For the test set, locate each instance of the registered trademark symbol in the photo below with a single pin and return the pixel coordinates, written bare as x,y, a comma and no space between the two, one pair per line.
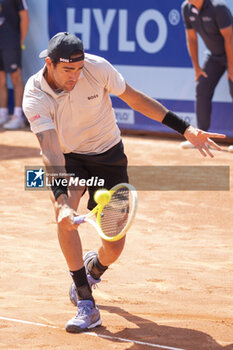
174,17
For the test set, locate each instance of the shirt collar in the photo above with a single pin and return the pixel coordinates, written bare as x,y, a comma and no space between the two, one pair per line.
45,86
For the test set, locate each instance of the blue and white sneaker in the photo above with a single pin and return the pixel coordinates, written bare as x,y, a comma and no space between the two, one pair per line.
88,317
87,257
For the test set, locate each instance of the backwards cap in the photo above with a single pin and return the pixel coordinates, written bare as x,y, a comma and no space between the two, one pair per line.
62,46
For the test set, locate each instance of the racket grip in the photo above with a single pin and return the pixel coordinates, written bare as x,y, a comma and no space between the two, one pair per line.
79,219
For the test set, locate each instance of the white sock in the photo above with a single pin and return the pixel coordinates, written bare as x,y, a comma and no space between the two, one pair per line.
18,112
3,112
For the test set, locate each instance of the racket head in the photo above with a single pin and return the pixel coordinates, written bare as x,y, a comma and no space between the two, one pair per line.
116,217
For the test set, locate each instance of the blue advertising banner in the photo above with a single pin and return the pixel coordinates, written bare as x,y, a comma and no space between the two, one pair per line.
144,40
126,32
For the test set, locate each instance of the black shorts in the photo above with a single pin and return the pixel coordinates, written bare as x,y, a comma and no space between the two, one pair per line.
10,60
110,166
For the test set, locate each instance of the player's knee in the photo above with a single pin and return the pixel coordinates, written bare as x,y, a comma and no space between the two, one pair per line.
203,91
3,81
16,79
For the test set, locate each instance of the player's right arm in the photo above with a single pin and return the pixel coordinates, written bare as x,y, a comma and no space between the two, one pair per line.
54,162
53,158
52,155
192,44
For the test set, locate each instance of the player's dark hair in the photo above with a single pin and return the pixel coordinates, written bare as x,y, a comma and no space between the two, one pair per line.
54,62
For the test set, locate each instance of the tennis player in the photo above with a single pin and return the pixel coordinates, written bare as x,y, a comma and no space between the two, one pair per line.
68,106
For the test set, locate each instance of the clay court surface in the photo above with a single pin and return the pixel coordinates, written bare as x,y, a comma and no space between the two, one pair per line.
172,288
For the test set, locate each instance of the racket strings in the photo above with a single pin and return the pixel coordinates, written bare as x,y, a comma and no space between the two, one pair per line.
115,214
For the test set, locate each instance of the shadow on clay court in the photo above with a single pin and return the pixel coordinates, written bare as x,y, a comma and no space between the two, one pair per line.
9,152
13,151
166,336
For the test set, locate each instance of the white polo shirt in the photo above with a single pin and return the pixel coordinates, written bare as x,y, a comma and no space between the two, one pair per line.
83,118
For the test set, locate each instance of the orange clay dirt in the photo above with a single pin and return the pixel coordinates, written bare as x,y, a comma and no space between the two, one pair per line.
172,287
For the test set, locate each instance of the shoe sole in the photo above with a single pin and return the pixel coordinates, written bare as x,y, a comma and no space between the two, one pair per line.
75,329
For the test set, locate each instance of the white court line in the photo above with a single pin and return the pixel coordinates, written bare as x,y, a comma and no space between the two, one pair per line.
95,335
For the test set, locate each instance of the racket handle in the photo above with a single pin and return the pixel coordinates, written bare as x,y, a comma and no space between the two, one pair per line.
79,219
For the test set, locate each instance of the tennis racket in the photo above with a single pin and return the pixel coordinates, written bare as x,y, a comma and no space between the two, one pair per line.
113,219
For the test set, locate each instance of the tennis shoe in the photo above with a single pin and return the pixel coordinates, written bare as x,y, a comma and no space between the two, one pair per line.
87,257
15,123
73,294
4,119
186,145
88,317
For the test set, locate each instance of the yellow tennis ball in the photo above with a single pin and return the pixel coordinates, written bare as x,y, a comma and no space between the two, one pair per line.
102,197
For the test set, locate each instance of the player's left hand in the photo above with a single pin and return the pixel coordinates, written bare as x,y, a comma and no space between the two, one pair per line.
201,140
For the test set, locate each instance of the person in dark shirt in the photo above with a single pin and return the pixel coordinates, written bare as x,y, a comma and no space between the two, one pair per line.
14,22
213,21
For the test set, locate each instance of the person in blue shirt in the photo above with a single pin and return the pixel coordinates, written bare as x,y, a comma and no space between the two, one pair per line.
14,22
212,20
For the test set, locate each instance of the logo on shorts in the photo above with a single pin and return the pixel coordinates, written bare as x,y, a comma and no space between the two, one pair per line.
35,178
192,18
14,66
